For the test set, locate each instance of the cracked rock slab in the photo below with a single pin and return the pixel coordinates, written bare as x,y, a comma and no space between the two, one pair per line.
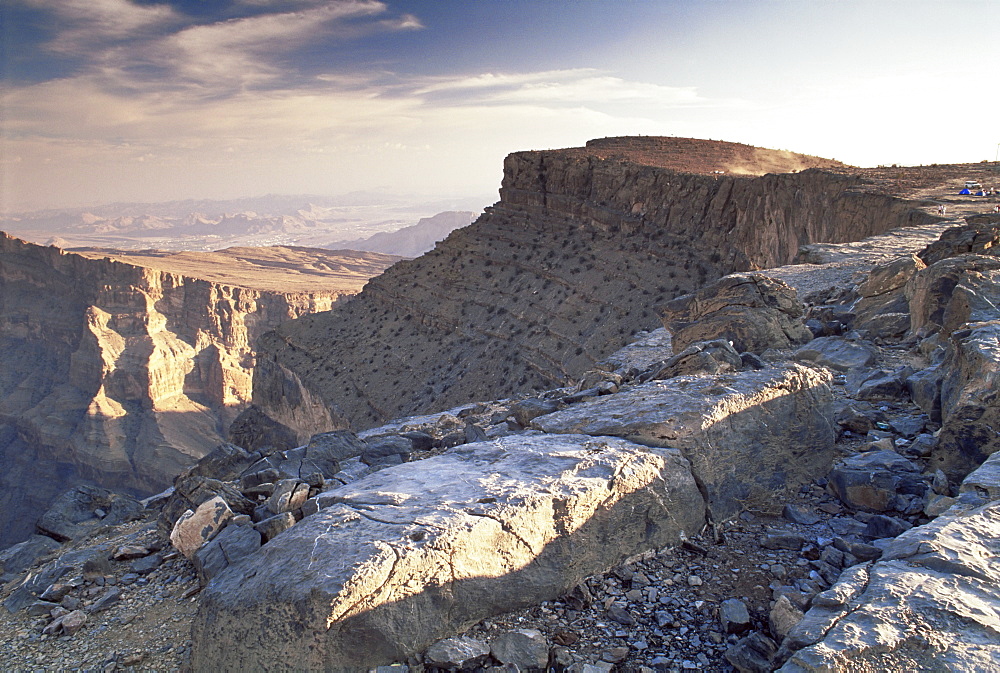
749,436
931,604
419,551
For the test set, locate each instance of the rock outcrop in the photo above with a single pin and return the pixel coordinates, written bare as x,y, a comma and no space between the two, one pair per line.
121,375
416,552
928,604
559,274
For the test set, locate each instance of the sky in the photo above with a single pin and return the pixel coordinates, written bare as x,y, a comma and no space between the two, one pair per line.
156,100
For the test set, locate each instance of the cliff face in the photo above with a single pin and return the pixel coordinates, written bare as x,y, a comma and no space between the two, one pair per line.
558,274
118,374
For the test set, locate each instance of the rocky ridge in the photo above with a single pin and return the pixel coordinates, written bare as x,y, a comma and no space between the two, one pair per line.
559,274
807,573
120,373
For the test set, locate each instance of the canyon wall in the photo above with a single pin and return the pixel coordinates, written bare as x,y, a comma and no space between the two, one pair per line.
118,374
558,274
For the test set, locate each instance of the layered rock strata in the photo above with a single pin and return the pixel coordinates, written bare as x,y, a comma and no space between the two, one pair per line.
122,375
557,275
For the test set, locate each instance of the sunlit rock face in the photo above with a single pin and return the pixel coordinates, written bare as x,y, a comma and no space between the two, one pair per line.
561,272
410,554
118,374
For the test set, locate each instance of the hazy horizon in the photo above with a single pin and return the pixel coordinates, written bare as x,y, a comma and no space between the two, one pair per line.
143,101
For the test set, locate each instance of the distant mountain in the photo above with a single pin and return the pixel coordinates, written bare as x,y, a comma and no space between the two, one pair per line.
304,220
414,240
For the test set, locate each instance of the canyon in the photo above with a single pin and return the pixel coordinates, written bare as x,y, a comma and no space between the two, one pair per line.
120,370
562,271
659,408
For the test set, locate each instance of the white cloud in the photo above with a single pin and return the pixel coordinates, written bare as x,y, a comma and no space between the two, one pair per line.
90,24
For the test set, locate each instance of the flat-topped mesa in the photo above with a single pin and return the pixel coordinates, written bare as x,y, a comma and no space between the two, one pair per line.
558,274
122,373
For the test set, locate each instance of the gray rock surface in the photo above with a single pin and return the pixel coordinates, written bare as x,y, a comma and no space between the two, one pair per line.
478,530
749,436
931,603
753,311
837,353
970,400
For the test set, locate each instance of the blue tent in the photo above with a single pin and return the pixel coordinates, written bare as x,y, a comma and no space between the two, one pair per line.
980,193
965,191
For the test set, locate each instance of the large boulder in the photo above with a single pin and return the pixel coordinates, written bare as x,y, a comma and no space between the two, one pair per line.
952,292
882,310
970,400
754,311
79,511
749,436
980,235
416,552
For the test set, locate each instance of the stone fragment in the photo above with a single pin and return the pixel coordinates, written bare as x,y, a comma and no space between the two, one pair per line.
871,480
702,357
386,447
57,591
71,515
526,410
146,565
620,615
269,528
752,311
21,556
288,496
752,654
952,292
110,597
784,616
837,353
461,536
750,436
231,546
734,616
460,653
782,540
196,528
799,515
67,625
523,648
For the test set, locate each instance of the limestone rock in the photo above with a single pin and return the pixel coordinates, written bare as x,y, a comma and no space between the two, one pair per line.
703,357
749,436
23,555
872,480
523,648
890,276
836,353
784,616
459,653
930,603
467,534
970,400
74,513
753,311
952,292
197,527
231,546
733,616
979,235
122,372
